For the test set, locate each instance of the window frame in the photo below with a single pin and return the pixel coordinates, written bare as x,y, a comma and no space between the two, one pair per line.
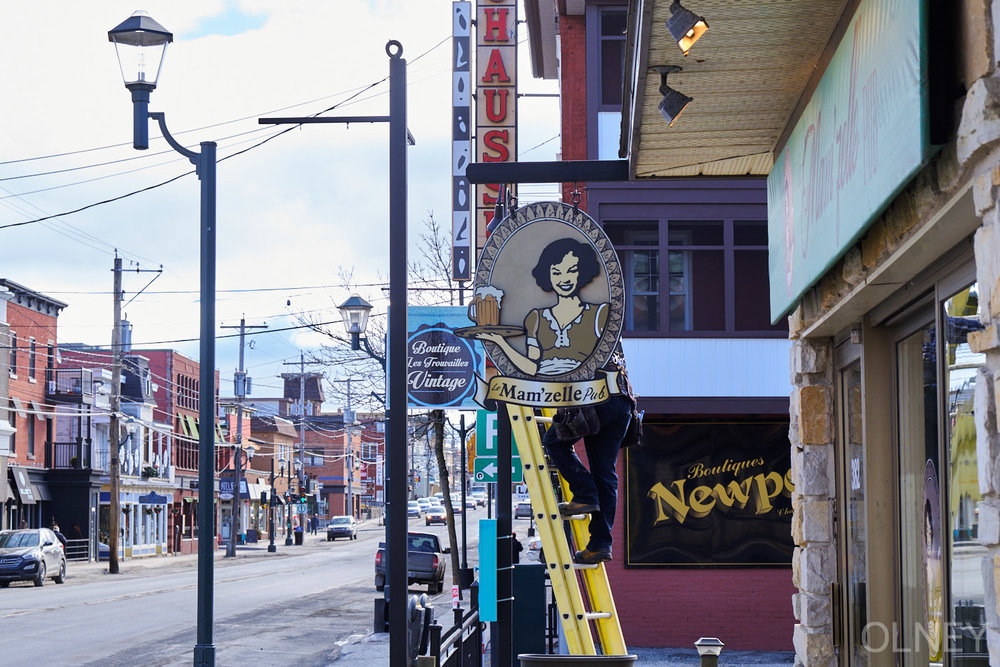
728,248
12,366
32,359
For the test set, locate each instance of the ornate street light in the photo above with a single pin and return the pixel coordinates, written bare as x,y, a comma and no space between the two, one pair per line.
140,43
355,313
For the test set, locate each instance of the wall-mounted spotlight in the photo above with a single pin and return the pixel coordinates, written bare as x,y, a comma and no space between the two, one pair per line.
685,26
673,102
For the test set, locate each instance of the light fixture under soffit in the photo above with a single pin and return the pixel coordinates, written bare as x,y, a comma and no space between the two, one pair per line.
685,26
673,102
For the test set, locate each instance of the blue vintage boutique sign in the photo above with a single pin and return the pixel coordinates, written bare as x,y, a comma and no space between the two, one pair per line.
440,366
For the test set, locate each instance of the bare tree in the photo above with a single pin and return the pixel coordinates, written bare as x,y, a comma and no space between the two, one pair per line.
429,283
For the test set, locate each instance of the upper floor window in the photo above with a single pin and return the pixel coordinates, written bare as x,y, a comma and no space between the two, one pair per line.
694,275
611,37
31,358
13,354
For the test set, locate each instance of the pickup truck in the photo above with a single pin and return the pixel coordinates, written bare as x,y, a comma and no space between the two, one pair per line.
425,562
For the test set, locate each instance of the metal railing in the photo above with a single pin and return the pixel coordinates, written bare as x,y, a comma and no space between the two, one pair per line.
461,645
69,383
78,549
70,455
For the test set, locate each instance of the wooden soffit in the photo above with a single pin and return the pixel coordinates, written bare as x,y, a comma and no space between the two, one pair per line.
748,77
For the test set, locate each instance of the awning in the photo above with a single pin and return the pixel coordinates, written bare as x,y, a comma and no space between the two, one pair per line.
23,485
18,407
41,489
8,491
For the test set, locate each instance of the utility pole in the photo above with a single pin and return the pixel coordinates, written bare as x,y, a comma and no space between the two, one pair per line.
114,443
240,387
349,460
302,419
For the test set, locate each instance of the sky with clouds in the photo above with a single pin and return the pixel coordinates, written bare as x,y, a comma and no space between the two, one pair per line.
294,213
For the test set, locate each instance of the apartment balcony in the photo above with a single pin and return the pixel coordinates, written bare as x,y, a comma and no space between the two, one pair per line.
69,385
79,455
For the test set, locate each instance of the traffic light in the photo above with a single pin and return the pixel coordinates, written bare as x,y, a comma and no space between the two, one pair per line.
302,500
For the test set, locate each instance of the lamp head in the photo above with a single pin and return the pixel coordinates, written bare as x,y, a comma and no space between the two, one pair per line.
673,102
355,313
709,646
140,43
685,26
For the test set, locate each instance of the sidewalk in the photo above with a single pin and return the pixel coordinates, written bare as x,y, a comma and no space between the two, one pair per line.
374,649
135,566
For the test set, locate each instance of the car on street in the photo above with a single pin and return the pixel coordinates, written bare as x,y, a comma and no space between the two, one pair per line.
424,503
533,549
425,562
523,510
480,498
342,526
470,503
412,509
32,554
435,514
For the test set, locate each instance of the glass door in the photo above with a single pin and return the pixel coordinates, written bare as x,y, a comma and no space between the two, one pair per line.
921,638
850,524
967,635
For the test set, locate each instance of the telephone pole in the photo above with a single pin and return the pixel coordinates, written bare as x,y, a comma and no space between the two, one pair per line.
302,418
241,388
114,439
115,423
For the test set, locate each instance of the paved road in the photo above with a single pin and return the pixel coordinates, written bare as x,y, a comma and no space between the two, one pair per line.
298,606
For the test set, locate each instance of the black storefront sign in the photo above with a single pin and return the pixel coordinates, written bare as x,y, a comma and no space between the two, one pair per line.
23,485
709,493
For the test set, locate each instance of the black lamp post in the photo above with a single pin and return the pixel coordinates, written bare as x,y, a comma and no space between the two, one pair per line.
140,43
270,514
288,501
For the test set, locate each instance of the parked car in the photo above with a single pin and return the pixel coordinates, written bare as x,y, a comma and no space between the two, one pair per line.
534,548
435,514
523,510
33,554
412,509
342,526
425,562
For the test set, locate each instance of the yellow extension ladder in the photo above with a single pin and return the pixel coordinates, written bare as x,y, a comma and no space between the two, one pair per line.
578,606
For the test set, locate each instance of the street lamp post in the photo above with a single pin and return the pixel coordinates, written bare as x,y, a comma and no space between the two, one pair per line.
270,514
288,504
140,43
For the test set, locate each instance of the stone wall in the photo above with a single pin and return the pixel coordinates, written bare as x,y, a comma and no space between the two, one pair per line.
814,562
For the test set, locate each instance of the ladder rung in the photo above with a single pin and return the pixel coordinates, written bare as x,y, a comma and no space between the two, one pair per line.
584,566
543,420
596,615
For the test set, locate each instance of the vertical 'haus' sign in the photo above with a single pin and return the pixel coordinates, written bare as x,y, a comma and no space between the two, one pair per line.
496,98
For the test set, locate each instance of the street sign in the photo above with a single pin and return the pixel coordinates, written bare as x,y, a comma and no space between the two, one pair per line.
486,433
486,470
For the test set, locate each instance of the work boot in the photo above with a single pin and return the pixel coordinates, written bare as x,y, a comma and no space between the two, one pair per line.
588,557
572,508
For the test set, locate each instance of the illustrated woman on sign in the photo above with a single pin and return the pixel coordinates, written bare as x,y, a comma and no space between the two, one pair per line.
562,336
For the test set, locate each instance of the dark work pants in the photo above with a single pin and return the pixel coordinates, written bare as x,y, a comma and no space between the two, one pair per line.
599,485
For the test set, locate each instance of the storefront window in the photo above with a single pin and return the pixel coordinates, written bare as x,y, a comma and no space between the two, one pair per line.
923,630
967,636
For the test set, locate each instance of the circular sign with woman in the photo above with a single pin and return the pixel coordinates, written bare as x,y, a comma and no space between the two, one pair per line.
548,295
